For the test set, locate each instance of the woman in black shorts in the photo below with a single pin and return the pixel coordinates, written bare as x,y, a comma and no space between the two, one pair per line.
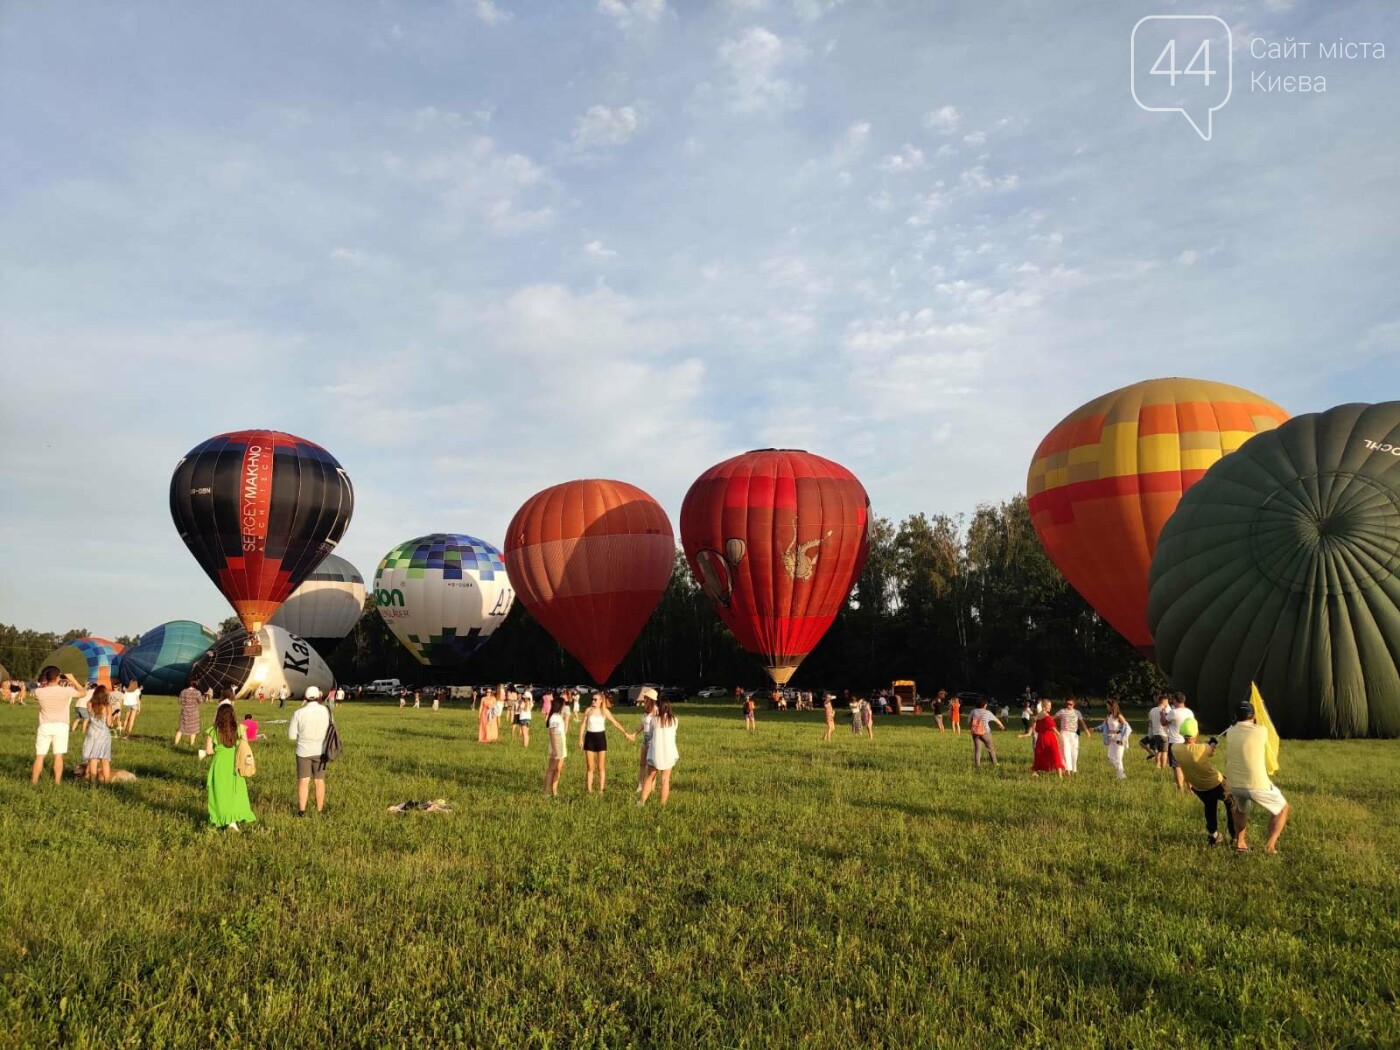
593,738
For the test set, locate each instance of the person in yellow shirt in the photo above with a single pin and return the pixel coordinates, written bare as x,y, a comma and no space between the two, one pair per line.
1246,768
1193,759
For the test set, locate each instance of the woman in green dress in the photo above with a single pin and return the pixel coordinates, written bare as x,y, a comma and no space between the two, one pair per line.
228,792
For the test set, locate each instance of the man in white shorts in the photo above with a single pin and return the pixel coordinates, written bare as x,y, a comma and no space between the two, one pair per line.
55,696
1247,774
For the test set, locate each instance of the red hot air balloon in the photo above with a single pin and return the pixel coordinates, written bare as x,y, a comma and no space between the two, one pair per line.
590,560
259,510
777,538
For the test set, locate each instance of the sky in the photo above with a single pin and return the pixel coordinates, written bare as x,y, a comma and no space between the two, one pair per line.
477,248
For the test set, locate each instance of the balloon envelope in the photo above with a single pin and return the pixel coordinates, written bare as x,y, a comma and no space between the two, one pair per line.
777,538
590,560
282,659
161,661
327,605
443,595
89,660
1282,566
259,510
1106,479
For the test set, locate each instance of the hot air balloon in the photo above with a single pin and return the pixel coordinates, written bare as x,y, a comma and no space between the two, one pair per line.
1105,480
259,510
590,560
443,595
777,538
278,658
89,660
327,605
1282,567
161,661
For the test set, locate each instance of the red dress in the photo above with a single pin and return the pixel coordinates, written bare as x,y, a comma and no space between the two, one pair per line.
1047,746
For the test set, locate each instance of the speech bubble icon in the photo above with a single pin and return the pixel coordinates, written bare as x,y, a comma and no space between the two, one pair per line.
1182,64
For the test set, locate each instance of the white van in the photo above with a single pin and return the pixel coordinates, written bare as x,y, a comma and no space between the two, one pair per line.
383,685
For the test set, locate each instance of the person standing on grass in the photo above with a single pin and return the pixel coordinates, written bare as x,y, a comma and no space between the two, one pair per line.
1247,772
830,712
1157,732
647,698
955,713
1177,715
662,755
1193,760
1116,731
485,719
593,737
225,791
857,718
526,718
57,690
131,705
97,741
308,729
1046,757
557,727
1026,717
1070,723
80,709
190,698
867,718
979,724
283,695
940,704
748,713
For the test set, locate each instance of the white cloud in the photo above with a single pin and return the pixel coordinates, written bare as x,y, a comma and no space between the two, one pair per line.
975,138
603,127
598,251
488,12
756,61
479,184
944,119
1189,257
910,158
633,15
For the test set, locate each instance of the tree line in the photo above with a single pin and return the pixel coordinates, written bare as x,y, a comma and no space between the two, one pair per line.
950,601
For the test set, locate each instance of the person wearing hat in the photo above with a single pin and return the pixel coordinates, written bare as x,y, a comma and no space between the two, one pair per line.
1246,769
308,729
1193,761
647,698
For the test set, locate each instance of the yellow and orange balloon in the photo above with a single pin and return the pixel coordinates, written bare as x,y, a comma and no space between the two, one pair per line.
1106,479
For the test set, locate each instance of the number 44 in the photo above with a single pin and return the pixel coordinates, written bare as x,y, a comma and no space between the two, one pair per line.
1201,56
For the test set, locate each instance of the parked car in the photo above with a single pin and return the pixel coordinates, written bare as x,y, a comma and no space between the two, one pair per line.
674,693
710,692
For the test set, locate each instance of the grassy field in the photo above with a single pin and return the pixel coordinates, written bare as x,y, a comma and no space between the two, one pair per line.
857,893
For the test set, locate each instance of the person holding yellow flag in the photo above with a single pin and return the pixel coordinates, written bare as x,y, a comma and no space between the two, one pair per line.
1250,763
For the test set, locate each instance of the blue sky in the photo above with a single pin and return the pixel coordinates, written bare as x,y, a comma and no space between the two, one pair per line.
477,248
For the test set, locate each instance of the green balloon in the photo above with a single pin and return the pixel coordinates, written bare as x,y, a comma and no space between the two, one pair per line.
1282,566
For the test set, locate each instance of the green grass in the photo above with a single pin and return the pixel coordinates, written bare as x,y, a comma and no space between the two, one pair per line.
857,893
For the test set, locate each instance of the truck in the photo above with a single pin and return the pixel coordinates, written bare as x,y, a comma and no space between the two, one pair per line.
904,696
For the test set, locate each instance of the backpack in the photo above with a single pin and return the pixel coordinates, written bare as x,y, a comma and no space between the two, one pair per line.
330,751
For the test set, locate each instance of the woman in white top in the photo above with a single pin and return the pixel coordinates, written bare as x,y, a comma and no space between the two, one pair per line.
1116,731
593,737
648,701
525,718
661,754
131,705
558,726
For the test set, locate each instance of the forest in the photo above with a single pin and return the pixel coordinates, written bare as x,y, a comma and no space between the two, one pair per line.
952,602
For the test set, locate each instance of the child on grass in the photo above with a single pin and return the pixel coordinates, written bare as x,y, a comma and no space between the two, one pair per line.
97,743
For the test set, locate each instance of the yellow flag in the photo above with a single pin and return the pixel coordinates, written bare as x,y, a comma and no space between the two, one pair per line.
1261,716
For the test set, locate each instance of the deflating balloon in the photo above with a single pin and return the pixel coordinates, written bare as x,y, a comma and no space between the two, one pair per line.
89,660
276,659
161,661
1106,479
777,538
590,560
259,510
443,595
327,605
1282,566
